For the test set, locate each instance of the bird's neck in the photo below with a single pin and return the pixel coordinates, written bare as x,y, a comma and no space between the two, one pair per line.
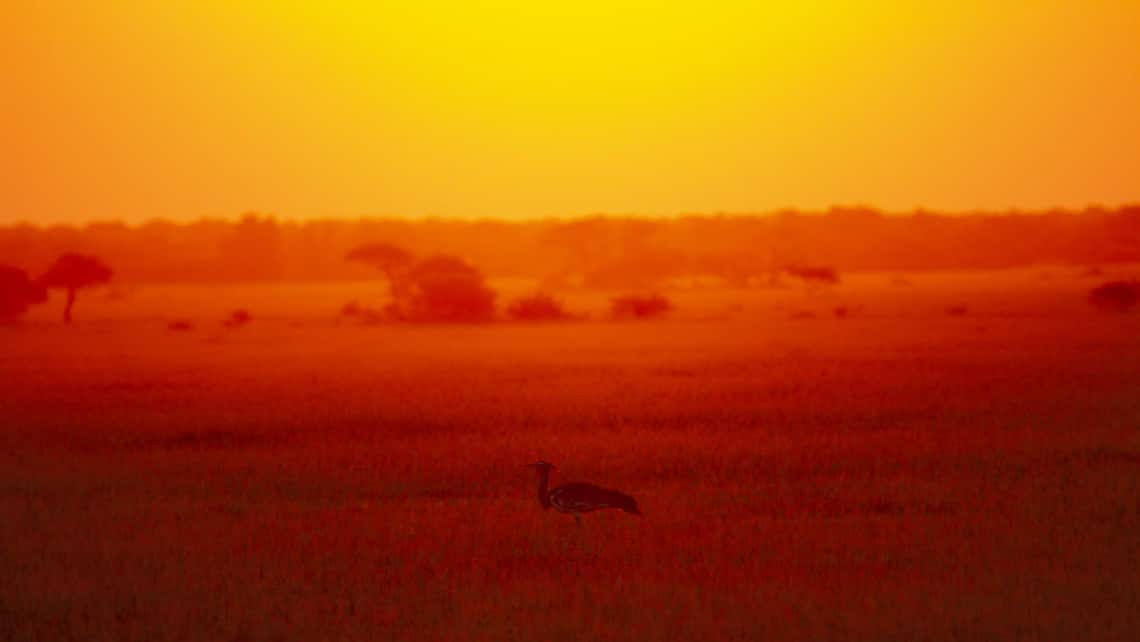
544,488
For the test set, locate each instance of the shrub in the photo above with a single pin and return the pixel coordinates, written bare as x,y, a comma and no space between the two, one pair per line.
821,275
537,307
1115,296
639,307
17,292
238,318
443,288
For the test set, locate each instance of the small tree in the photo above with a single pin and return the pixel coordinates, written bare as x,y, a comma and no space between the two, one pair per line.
17,292
1116,296
389,259
72,272
537,307
392,261
443,288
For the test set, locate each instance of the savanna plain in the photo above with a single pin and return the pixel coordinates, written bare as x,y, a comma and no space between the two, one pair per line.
896,474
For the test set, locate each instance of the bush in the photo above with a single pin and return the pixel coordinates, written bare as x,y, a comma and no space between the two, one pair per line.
1115,296
639,307
821,275
537,307
238,318
443,289
17,292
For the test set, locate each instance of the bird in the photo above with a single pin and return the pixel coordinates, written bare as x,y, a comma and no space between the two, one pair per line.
577,497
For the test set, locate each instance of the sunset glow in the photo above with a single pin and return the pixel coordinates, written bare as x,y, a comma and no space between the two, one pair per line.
137,110
569,321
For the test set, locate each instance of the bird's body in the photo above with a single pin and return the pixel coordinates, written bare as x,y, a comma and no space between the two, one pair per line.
576,498
583,498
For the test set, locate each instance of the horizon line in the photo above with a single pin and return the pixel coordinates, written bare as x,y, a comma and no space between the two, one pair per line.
1090,208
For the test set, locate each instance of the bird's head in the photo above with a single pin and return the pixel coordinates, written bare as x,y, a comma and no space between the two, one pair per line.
542,465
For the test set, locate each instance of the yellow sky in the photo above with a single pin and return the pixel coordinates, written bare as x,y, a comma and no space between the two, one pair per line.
179,109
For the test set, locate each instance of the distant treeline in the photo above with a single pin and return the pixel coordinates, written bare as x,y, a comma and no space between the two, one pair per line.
599,251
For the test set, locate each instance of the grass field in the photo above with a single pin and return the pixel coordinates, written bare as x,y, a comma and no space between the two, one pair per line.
900,475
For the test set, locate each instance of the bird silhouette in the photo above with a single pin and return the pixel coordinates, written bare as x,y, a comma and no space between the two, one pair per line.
577,498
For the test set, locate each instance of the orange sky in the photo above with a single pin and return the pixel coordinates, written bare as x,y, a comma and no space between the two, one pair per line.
178,109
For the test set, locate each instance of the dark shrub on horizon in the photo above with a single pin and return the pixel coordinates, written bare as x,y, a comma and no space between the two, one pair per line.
238,318
537,307
1115,296
443,288
639,307
823,275
18,292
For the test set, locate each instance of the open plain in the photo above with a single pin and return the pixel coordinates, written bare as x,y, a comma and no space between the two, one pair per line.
897,474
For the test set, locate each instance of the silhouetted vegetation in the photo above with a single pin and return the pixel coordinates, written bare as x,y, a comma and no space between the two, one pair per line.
72,272
238,318
537,307
180,325
390,259
18,292
813,275
1115,296
604,252
442,288
640,307
385,257
355,310
958,310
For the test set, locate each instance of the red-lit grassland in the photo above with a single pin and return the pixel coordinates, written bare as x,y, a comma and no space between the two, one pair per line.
898,474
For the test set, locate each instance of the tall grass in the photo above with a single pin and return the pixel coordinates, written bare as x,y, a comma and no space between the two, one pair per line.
872,479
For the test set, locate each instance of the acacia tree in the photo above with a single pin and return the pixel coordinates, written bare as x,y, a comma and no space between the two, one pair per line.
17,292
72,272
391,260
